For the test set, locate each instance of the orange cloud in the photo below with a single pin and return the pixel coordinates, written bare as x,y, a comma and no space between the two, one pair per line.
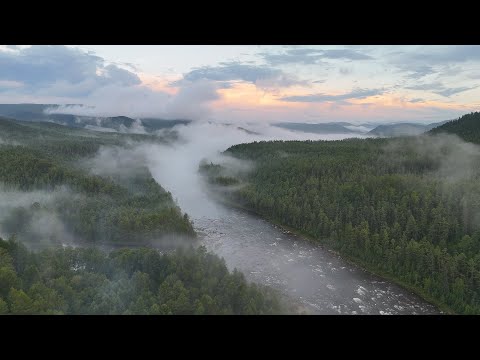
247,95
158,83
246,100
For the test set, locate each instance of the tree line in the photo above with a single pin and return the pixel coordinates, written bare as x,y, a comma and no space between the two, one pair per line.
380,201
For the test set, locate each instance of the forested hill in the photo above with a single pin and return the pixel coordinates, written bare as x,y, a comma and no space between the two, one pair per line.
49,193
39,113
67,193
467,127
66,142
408,208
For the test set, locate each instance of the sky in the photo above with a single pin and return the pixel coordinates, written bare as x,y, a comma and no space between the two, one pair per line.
248,84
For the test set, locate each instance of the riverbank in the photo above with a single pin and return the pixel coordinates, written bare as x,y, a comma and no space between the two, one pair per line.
349,259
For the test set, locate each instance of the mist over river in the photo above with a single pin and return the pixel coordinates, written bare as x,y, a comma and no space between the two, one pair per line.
309,274
313,276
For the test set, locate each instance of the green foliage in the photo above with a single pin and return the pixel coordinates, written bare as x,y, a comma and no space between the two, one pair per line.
96,209
127,281
126,208
388,208
3,307
467,127
216,174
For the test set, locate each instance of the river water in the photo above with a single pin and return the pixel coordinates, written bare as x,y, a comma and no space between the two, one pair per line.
315,277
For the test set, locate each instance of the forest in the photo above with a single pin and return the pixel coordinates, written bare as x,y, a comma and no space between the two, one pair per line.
138,281
405,207
466,127
72,205
119,209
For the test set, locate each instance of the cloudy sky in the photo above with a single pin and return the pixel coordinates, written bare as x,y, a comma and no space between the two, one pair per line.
249,83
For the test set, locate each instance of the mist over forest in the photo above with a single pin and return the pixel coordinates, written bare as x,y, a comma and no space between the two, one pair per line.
287,181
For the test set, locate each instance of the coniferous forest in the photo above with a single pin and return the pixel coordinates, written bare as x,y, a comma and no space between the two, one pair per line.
125,281
46,169
405,207
240,179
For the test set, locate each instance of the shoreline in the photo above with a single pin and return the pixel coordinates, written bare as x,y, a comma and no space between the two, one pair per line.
441,307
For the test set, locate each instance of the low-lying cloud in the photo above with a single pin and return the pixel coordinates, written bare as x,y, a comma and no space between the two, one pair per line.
191,102
45,227
175,167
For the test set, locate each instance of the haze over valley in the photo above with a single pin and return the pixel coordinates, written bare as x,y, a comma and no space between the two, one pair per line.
239,180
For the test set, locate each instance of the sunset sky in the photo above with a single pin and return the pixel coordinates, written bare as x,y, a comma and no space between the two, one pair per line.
249,84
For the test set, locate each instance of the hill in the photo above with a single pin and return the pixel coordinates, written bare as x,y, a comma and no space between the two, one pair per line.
37,113
407,208
403,129
466,127
51,175
76,197
325,128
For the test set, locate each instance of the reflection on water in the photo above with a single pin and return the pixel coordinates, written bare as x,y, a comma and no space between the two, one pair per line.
319,279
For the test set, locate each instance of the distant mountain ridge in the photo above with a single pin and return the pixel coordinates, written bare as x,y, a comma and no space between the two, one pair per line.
322,128
403,129
36,112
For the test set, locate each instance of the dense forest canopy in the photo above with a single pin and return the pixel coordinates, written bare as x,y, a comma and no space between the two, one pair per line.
128,207
125,281
406,207
467,127
70,186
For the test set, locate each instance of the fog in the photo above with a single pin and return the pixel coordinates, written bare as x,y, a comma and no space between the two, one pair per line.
264,253
9,142
454,160
454,165
45,227
176,167
118,160
191,101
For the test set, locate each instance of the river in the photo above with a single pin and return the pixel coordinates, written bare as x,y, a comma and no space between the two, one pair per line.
317,278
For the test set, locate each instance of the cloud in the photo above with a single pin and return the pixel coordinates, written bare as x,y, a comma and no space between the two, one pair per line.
190,102
312,56
448,54
428,86
416,100
429,60
344,54
263,76
121,76
205,140
55,69
9,84
440,89
417,71
355,94
451,91
69,75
